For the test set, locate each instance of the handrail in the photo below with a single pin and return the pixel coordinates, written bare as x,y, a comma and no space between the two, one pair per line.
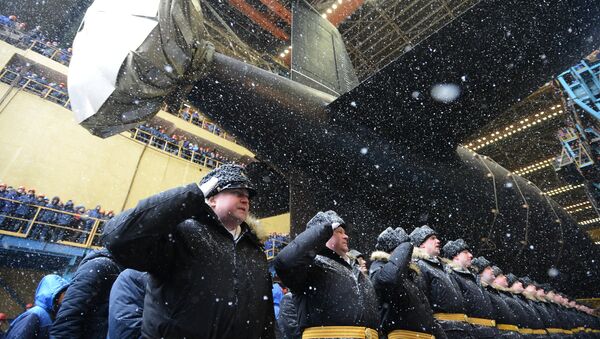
47,92
24,41
175,149
35,226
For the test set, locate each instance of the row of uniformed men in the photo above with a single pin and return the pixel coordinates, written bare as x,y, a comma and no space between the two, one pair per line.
412,292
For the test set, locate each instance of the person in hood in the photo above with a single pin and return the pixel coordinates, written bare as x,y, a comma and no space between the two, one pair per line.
334,298
84,313
444,295
36,321
478,306
126,305
404,310
208,273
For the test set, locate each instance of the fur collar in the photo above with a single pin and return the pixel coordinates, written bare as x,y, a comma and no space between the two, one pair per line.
419,253
500,288
455,267
380,255
256,228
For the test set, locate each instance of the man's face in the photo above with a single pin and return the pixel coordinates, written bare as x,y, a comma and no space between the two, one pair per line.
463,259
501,281
432,246
338,241
530,289
487,275
20,190
517,287
231,206
540,293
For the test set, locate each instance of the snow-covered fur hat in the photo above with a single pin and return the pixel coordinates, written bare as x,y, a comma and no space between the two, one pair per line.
479,264
390,238
454,247
511,279
526,281
420,234
497,271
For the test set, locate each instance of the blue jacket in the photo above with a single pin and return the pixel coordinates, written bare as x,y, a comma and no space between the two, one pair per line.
126,305
9,206
24,209
277,295
84,311
36,321
49,216
65,219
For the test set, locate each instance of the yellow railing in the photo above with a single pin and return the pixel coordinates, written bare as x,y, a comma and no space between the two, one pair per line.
41,223
30,85
23,40
175,149
50,52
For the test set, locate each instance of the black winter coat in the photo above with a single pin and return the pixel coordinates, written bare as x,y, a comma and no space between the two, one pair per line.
477,303
442,292
535,319
328,290
503,313
126,305
402,305
516,307
84,310
202,283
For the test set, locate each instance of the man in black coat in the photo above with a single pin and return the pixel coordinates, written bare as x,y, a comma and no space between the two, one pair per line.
441,290
478,306
334,298
126,305
506,315
403,309
84,311
208,274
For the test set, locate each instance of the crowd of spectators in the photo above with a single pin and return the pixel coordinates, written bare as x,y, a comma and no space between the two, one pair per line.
55,221
179,145
38,84
18,34
192,115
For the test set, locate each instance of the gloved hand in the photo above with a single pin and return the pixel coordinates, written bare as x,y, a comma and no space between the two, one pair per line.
326,218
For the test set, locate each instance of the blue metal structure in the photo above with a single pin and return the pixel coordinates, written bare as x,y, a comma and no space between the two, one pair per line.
582,84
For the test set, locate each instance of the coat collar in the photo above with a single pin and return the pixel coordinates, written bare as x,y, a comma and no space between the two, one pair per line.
457,268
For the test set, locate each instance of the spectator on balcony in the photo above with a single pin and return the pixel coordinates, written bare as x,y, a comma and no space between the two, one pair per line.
8,210
3,193
41,200
78,224
46,218
64,220
25,209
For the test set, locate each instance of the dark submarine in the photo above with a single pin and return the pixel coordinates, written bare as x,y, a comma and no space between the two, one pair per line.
382,156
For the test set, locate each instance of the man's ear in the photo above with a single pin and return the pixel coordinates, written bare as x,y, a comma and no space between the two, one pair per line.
211,201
